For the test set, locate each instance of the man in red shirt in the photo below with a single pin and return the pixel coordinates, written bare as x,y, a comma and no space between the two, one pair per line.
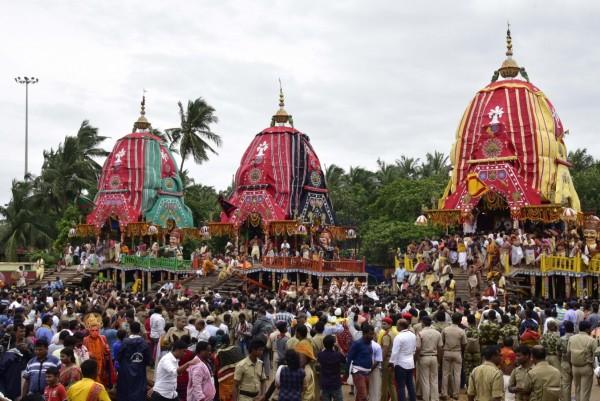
54,390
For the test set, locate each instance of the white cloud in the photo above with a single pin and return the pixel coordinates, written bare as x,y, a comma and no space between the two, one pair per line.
363,79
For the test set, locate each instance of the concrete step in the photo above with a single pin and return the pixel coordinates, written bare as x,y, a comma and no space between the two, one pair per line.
69,276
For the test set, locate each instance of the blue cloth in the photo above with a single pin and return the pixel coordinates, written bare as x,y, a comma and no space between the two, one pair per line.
528,324
290,384
111,337
571,316
12,364
115,351
133,358
361,353
330,362
44,332
36,372
400,273
404,379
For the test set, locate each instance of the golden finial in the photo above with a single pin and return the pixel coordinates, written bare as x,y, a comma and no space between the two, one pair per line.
509,68
281,98
509,51
282,116
142,123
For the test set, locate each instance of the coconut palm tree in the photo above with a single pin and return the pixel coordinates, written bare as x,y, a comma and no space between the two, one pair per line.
23,226
386,173
194,137
435,164
334,176
88,142
408,166
362,177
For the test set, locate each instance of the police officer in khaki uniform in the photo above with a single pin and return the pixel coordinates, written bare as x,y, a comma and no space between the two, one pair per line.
519,379
455,340
249,377
429,346
386,341
486,382
544,379
566,379
580,351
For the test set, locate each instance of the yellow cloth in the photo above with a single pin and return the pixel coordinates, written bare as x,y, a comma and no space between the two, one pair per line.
305,349
208,267
475,186
79,391
393,332
137,285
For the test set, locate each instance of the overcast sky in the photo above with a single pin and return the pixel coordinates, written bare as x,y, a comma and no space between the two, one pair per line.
364,79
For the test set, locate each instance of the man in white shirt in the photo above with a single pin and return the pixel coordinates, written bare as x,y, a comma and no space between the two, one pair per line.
403,353
211,328
191,328
285,248
165,379
166,287
157,328
375,375
203,334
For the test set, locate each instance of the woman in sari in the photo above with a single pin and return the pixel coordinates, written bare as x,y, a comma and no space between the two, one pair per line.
69,371
226,359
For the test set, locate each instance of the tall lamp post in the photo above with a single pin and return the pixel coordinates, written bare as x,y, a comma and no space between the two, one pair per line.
27,81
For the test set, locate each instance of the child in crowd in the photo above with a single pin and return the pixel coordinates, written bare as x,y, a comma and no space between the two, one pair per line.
54,390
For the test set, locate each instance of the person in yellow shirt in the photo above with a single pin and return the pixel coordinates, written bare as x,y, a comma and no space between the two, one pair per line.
88,389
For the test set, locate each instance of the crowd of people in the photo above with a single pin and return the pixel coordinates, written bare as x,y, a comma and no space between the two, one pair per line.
79,344
485,259
414,339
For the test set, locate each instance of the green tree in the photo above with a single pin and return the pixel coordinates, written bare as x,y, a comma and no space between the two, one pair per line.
380,237
435,164
202,200
403,199
334,176
408,166
70,170
194,136
69,220
386,173
587,185
23,226
581,160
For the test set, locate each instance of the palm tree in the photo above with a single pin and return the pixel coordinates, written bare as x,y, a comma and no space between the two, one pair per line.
88,142
23,227
70,169
334,176
166,138
407,166
194,136
386,173
362,177
435,164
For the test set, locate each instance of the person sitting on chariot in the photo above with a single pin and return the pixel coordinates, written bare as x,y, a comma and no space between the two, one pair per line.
208,266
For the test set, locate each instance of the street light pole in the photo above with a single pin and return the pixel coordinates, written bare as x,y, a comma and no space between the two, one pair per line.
26,81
